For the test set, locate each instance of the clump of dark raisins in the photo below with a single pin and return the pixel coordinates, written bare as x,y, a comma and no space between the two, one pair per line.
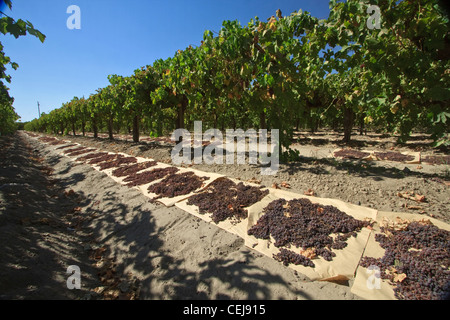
420,253
225,199
304,224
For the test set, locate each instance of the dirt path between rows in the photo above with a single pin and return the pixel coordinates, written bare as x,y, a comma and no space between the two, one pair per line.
38,217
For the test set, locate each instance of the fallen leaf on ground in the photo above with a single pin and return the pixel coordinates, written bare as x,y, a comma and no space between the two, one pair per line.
399,277
425,221
419,198
397,224
287,214
414,207
284,184
310,192
412,196
391,270
309,253
99,290
275,186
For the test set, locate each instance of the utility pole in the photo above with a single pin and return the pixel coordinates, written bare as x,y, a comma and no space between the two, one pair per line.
39,110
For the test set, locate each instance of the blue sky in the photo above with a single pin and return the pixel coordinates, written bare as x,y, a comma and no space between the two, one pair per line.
116,37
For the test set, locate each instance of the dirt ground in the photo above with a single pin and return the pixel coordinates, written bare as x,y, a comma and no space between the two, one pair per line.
55,213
